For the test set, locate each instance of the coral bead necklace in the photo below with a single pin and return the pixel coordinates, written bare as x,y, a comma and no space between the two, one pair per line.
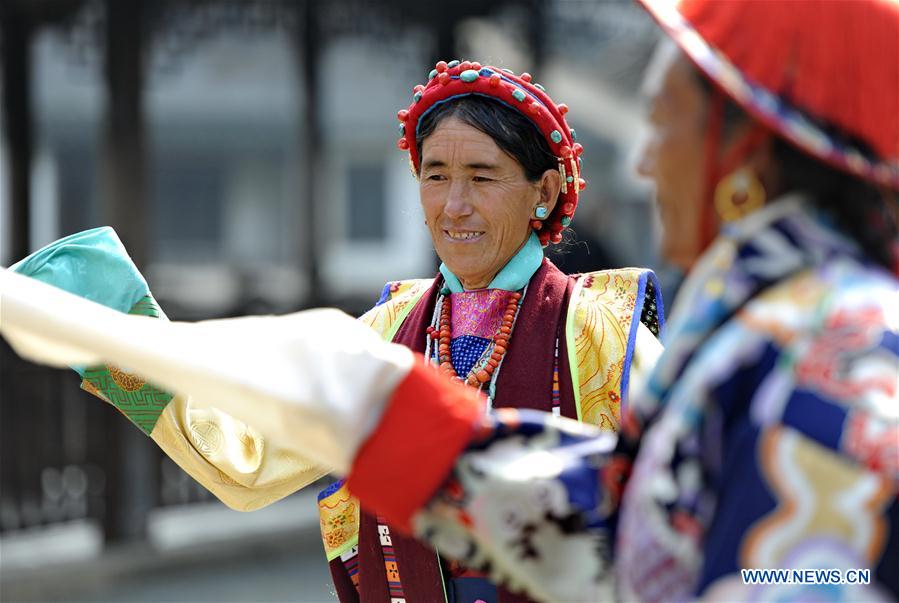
485,371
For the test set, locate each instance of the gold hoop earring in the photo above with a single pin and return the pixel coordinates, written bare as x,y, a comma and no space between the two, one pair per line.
739,194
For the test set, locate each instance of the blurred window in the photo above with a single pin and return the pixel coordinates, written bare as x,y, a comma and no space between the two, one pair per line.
188,190
366,219
78,208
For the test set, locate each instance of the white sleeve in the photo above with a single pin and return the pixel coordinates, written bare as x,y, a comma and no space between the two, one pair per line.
314,381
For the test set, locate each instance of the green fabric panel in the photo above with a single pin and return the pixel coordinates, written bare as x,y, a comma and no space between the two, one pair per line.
336,553
141,402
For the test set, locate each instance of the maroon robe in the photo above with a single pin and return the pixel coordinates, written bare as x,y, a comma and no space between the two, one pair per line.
527,368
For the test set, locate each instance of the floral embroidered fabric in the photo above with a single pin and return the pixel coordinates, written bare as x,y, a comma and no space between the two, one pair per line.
476,318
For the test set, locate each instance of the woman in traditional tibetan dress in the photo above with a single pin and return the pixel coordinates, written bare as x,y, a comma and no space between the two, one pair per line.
499,175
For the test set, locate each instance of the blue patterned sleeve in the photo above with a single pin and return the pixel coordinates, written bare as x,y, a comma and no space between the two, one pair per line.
526,504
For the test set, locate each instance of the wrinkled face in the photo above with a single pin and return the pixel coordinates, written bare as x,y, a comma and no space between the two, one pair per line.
476,200
672,157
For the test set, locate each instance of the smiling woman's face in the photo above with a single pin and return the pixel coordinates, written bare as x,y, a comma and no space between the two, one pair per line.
477,201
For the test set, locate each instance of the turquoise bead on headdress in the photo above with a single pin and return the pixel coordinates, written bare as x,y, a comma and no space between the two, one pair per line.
468,76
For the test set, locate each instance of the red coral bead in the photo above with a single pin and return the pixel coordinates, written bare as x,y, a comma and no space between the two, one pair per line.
476,66
483,376
402,144
563,108
525,76
557,238
418,88
581,184
495,79
568,208
536,224
565,151
464,66
534,108
444,78
441,66
402,114
577,148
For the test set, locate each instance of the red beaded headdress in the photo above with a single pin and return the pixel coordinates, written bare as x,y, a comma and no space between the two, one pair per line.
455,79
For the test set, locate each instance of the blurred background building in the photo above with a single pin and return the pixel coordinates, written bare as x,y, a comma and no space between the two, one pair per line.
245,153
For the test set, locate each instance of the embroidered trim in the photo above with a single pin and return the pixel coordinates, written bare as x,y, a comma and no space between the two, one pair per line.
338,515
557,398
391,569
141,402
387,317
652,315
350,560
600,325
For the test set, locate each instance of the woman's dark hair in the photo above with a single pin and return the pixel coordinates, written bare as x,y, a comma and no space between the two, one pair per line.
857,207
512,132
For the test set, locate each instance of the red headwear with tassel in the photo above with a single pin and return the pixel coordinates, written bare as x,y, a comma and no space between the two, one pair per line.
795,65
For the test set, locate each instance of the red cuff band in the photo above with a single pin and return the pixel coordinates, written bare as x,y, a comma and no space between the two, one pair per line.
428,422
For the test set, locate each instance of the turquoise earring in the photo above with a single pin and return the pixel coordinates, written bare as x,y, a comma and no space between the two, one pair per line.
540,212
